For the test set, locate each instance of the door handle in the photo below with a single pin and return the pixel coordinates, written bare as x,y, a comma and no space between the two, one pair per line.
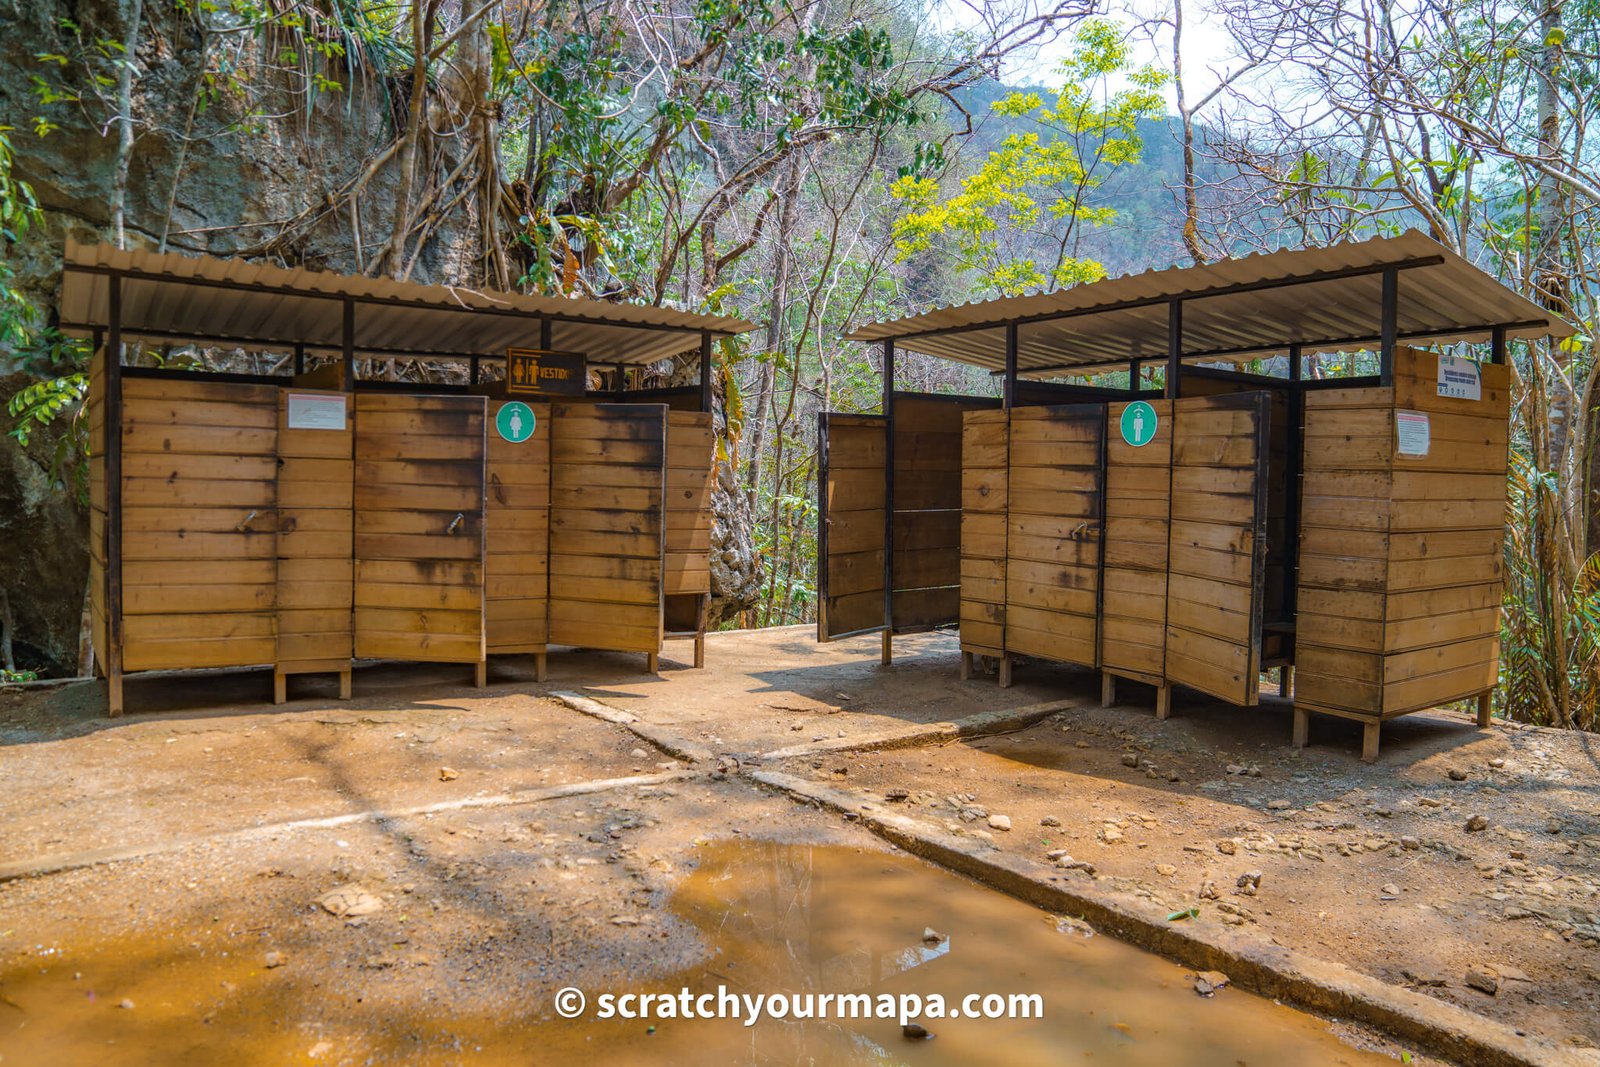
244,523
455,523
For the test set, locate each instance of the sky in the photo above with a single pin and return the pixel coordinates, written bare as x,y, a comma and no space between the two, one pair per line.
1208,49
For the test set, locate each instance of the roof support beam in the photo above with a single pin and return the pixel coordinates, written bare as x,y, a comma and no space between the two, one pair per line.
705,370
1008,391
112,546
1174,346
1190,294
1497,344
1390,329
348,349
888,501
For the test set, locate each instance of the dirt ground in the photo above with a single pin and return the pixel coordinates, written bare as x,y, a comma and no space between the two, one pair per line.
480,910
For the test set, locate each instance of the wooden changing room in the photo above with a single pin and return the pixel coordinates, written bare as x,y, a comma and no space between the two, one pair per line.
296,515
1197,477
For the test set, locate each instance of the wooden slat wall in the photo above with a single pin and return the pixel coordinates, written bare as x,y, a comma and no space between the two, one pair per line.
199,541
853,484
517,520
1401,570
927,509
316,522
95,402
691,452
1217,545
419,527
607,531
984,452
1053,531
1133,615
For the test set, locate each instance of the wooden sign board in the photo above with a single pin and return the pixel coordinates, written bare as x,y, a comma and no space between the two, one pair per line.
536,372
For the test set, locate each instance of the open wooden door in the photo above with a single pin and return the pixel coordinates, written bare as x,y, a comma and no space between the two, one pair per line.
608,465
1055,506
852,453
691,467
419,528
1218,544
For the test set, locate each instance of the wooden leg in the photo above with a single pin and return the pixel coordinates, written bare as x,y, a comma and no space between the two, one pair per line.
1369,742
966,666
652,663
699,651
1163,700
1286,681
1108,689
1302,727
280,687
541,665
344,685
888,648
1485,708
114,693
1005,671
480,673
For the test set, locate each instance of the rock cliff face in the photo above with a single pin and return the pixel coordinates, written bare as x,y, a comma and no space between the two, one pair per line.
241,175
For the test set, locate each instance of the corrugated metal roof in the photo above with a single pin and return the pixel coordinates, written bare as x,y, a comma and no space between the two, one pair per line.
183,298
1234,308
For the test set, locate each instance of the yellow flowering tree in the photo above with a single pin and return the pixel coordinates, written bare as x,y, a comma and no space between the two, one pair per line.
1015,222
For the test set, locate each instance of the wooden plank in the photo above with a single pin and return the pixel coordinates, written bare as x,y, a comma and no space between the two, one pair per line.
205,440
194,653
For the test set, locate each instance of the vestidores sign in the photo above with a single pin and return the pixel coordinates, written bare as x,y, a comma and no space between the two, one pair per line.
534,371
1459,378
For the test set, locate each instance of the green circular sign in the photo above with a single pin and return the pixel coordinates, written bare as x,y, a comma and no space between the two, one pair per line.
515,422
1138,423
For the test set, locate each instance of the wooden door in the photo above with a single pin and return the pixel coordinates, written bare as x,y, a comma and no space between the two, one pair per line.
1218,544
984,454
852,481
419,527
198,498
691,456
316,487
1133,613
607,525
1054,510
517,520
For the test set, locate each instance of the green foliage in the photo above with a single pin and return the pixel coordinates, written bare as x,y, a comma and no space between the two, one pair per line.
1014,220
53,360
1551,631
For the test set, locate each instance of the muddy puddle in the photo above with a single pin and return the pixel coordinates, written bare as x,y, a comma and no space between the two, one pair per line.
775,918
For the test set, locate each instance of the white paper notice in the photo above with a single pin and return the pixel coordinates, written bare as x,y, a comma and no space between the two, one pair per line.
315,411
1411,430
1458,378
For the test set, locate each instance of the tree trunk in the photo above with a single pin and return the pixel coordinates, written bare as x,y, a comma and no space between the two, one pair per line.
119,181
768,377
